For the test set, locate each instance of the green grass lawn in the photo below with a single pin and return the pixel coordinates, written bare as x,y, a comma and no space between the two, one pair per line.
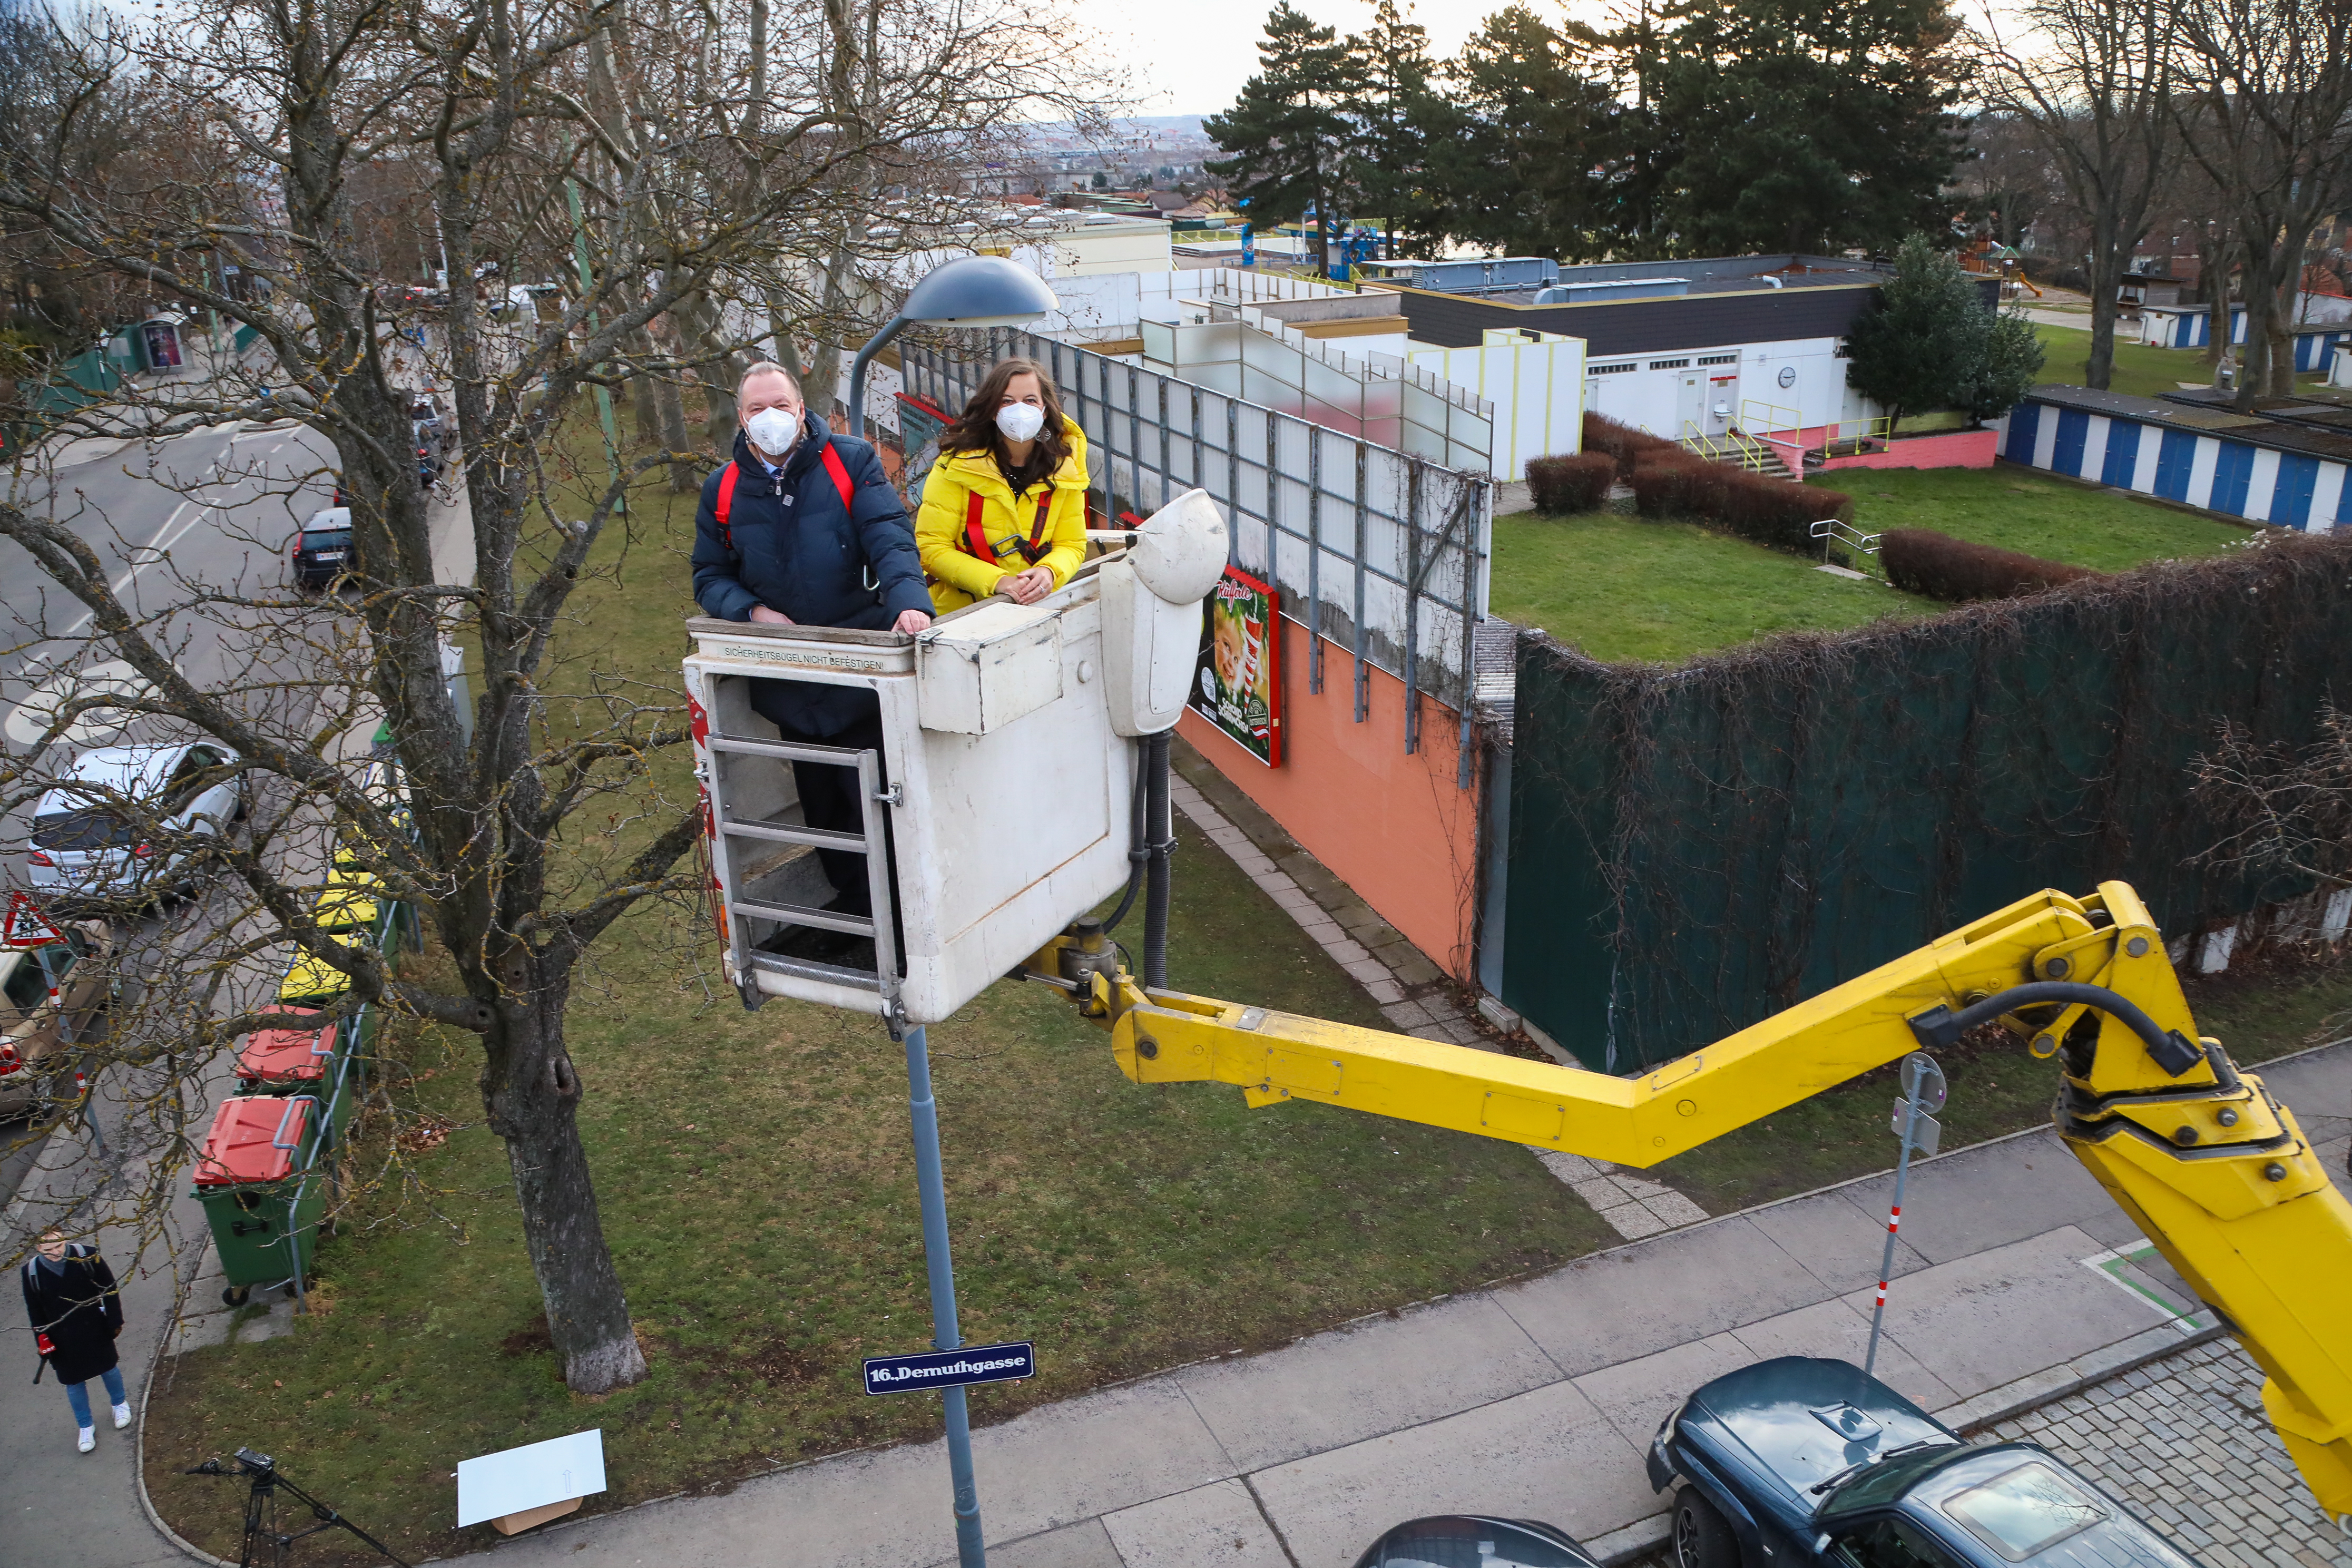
2019,508
2139,370
1621,587
756,1183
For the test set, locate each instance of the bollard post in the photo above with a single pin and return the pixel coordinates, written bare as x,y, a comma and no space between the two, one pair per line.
1923,1092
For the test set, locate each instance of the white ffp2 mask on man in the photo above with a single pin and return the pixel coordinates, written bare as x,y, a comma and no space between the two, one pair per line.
1019,421
773,431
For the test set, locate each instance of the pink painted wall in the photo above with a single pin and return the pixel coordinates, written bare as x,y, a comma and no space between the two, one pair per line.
1951,450
1393,826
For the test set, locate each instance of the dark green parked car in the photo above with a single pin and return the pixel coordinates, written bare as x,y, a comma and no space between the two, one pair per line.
1803,1463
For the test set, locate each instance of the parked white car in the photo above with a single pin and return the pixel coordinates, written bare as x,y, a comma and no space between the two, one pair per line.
133,819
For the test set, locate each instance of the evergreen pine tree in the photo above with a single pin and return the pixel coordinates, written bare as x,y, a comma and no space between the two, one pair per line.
1919,349
1288,134
2008,362
1398,116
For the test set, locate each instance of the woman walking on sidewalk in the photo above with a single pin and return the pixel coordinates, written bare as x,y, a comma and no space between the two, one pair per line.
76,1313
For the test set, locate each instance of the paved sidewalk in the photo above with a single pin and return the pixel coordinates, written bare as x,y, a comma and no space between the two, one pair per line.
2017,1282
66,1508
2185,1442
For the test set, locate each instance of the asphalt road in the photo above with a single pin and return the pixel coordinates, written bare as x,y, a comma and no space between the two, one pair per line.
210,506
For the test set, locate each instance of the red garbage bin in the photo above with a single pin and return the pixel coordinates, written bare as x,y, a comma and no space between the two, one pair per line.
279,1061
262,1191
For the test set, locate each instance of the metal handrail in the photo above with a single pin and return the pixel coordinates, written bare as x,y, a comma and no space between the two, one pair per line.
1837,530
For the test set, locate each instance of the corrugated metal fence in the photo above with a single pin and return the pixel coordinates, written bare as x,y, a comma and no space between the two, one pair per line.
1380,551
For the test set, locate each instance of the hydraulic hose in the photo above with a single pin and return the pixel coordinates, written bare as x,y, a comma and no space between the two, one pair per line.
1162,842
2170,1050
1138,851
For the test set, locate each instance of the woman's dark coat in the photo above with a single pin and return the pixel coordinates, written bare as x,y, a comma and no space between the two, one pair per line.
78,1308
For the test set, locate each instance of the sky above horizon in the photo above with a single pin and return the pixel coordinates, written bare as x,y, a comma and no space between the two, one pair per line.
1193,59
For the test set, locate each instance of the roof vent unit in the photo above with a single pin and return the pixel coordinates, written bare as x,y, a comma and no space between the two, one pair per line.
1595,291
1501,274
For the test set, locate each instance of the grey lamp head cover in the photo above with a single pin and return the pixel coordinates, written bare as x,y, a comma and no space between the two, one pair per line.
978,291
970,292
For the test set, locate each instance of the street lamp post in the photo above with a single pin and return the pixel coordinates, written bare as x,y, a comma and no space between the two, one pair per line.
974,291
971,292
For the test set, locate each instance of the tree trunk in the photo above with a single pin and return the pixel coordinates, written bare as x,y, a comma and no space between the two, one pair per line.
2254,362
2283,330
780,337
2106,277
2213,281
705,326
669,414
533,1095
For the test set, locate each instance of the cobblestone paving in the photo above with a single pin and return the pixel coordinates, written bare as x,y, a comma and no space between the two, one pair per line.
2184,1440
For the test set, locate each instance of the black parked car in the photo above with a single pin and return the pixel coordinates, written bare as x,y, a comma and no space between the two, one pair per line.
1470,1540
317,553
1800,1463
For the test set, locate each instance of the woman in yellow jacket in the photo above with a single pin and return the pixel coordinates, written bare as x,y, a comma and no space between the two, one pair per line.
1004,507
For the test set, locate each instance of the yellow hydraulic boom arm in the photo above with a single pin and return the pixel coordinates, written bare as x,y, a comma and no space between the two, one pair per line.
2211,1166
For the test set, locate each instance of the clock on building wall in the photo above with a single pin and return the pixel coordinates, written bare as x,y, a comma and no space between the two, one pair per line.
1787,375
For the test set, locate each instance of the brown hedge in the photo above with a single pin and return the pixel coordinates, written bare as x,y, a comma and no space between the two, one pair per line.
1771,512
1957,571
1622,442
1577,481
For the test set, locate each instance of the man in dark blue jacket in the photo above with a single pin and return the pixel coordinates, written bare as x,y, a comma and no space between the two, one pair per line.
814,536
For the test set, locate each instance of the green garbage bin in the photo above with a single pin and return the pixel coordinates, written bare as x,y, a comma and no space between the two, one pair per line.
264,1188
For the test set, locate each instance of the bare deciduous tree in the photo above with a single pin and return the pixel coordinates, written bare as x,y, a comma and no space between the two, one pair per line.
264,131
2290,810
2090,79
2266,108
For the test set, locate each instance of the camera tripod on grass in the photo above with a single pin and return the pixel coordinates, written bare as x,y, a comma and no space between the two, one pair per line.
261,1511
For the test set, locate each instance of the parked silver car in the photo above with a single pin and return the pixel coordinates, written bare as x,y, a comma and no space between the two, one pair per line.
134,820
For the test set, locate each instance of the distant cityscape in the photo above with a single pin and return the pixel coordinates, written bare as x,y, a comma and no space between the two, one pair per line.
1167,155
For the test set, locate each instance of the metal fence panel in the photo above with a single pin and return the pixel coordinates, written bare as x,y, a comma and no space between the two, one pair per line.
1385,551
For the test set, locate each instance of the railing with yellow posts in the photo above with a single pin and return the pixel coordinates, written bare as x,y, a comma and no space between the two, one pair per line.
1760,418
2200,1154
1732,446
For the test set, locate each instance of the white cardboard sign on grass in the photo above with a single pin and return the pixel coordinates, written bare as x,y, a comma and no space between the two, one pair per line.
533,1475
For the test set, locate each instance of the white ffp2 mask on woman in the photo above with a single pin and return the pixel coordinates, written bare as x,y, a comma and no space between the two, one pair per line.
1019,421
773,431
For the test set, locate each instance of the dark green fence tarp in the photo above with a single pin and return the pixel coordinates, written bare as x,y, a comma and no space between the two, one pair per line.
1693,849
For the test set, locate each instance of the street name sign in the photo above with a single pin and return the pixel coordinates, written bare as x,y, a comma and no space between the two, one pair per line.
951,1369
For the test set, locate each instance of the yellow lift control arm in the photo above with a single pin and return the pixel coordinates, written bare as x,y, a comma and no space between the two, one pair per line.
2213,1169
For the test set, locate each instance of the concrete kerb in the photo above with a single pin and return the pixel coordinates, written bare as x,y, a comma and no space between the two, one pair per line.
163,1342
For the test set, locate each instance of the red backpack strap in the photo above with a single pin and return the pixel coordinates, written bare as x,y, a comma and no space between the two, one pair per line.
1035,549
840,472
975,537
1032,550
726,504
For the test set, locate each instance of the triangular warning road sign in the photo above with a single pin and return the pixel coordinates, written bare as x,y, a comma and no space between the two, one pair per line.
28,926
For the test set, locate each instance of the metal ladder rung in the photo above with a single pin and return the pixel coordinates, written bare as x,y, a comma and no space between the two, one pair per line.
794,915
802,969
822,837
838,756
